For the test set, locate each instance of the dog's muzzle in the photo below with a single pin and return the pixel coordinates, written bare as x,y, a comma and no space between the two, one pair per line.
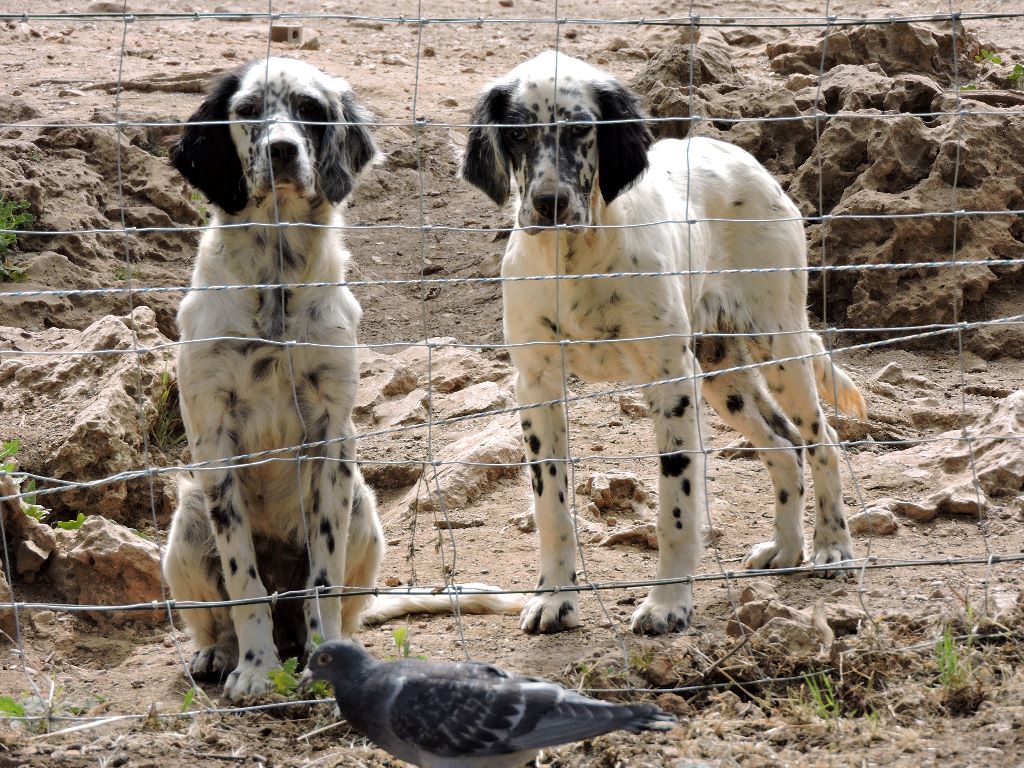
548,208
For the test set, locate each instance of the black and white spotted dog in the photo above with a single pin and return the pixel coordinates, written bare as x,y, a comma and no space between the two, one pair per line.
590,178
241,528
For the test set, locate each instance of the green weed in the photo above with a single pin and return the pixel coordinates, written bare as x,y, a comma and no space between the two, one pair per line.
168,430
286,682
72,525
402,639
991,57
954,672
122,272
7,450
823,696
204,214
11,707
186,700
13,215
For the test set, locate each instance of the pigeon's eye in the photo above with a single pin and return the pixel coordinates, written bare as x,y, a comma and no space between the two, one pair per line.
323,658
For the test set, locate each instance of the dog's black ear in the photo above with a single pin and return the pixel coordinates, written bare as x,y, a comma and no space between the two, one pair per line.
486,163
622,147
206,155
346,149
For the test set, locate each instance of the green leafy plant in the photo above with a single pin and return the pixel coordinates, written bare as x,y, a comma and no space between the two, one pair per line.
72,525
402,639
283,678
1016,74
985,55
954,672
122,272
13,215
823,696
7,451
204,214
168,430
186,700
11,707
286,682
28,501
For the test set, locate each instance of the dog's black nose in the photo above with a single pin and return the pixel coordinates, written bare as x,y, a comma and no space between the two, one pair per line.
283,154
551,208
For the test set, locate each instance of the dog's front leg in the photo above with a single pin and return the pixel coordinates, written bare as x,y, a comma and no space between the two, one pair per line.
329,516
675,409
545,436
225,503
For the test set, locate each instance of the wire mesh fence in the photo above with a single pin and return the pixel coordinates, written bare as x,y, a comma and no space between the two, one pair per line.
408,231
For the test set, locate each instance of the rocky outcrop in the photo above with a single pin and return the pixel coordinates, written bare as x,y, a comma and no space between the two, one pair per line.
880,132
976,469
70,178
84,405
103,563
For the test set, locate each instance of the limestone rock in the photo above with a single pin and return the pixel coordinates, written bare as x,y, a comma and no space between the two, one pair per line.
972,477
905,163
90,406
874,521
104,563
644,536
895,48
470,466
476,398
615,492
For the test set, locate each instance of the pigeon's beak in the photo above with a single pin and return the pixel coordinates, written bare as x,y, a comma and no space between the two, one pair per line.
306,679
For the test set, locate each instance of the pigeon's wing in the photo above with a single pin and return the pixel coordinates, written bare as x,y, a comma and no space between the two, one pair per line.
474,713
554,715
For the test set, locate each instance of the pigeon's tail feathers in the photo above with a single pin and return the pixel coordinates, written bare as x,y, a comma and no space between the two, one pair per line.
574,717
464,598
649,717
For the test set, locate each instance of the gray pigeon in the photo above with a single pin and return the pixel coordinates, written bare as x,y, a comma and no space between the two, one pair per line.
464,715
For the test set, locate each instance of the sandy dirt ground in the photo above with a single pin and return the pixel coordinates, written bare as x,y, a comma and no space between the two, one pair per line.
892,704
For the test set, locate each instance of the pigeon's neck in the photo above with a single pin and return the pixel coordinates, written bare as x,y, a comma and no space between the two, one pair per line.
350,691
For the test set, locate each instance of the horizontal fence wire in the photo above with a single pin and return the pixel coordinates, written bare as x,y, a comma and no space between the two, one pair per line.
46,486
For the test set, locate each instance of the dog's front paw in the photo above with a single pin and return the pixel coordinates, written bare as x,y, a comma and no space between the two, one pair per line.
659,615
250,676
549,612
775,554
833,548
212,663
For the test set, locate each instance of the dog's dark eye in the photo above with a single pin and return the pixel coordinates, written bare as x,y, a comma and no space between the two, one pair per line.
515,135
309,109
247,110
323,658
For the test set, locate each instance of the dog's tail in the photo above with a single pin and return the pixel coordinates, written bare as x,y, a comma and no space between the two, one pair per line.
835,387
466,598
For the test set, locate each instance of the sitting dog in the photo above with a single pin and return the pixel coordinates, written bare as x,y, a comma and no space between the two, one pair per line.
596,195
271,369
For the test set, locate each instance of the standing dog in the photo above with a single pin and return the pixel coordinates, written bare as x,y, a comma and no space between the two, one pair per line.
600,197
271,369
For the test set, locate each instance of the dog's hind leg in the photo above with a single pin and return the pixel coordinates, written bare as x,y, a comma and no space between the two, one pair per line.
792,385
364,554
741,400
